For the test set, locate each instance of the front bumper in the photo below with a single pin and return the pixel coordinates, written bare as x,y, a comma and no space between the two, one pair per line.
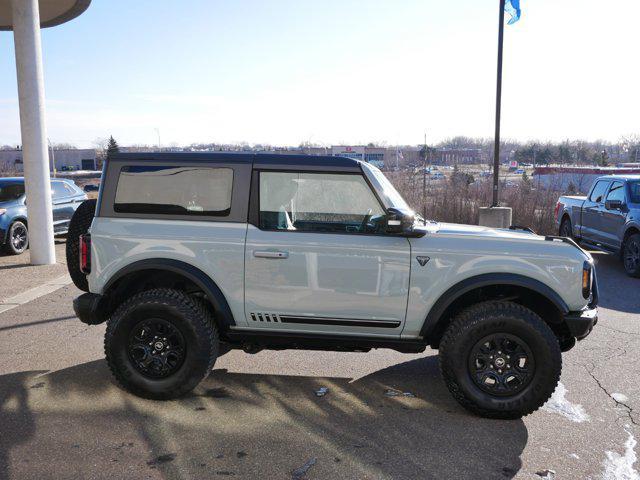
90,308
581,323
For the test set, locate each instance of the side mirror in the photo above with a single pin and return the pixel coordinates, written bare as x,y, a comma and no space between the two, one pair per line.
399,222
613,204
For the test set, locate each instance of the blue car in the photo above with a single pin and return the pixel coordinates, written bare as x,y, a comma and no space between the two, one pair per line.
14,234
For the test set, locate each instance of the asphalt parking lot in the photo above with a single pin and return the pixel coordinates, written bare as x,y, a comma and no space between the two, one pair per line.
257,416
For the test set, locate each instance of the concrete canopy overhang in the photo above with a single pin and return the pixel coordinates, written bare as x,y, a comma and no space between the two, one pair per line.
52,12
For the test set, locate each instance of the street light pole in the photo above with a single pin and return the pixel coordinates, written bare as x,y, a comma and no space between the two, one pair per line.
496,146
26,33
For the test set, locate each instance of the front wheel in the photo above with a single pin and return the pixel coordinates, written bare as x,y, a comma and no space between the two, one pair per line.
500,360
631,255
161,343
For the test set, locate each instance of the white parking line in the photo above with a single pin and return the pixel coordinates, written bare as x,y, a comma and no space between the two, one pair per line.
33,293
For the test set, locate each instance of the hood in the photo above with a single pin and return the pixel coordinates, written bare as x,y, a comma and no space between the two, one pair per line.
478,231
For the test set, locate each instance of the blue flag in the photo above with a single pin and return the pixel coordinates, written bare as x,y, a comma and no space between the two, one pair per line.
512,7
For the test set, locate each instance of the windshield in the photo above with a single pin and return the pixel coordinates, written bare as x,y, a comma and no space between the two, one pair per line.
391,196
11,191
634,189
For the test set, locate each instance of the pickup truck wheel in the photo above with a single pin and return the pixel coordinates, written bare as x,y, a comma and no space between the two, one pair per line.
17,239
500,360
161,343
566,230
631,255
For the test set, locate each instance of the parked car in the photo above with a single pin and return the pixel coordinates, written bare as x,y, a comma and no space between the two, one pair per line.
608,218
14,235
91,187
190,255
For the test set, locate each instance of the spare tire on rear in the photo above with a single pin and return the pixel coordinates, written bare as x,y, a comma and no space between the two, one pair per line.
79,225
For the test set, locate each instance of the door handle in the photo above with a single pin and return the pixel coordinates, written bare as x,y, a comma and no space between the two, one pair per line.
270,254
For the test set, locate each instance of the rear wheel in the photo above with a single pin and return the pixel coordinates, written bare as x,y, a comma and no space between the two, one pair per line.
79,225
161,343
631,255
566,229
500,360
17,238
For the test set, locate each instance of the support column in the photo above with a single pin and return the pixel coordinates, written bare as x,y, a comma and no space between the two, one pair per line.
26,34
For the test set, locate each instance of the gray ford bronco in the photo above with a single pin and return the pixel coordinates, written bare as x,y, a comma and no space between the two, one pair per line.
188,255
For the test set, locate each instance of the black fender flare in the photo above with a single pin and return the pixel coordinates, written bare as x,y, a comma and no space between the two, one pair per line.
486,280
197,276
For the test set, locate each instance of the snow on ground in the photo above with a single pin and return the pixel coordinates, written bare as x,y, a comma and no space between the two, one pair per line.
620,397
620,467
560,405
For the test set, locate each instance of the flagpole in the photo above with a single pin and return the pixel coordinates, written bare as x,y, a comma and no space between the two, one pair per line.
496,146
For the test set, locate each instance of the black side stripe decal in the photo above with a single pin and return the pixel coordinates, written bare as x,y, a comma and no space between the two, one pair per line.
341,321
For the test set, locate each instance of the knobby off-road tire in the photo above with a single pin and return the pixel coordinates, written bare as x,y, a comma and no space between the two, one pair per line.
176,312
79,225
17,238
499,319
631,255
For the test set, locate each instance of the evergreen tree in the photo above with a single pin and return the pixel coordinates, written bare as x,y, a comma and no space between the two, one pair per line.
112,147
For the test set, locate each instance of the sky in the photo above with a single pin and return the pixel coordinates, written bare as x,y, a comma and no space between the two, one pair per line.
282,72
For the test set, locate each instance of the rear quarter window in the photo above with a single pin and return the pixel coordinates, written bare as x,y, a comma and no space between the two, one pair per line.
174,190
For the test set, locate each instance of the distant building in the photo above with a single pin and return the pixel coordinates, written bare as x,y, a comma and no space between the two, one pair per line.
67,159
455,156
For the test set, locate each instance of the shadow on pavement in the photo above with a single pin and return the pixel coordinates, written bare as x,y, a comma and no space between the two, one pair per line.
613,282
37,322
76,423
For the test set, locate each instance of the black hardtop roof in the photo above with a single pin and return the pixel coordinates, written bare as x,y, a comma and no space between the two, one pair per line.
259,160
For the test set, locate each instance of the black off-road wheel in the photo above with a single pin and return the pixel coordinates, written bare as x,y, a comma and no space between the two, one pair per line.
500,360
17,239
79,225
566,229
631,255
161,343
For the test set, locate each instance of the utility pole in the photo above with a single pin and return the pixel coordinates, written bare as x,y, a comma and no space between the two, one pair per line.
53,159
159,144
496,146
424,178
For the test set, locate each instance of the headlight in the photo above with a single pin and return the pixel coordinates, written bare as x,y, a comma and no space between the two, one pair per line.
587,279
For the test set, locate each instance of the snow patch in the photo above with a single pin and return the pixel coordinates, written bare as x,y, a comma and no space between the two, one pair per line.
620,467
620,397
559,404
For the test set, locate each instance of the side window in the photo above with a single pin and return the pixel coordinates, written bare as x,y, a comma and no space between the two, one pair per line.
318,202
174,190
616,192
597,195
